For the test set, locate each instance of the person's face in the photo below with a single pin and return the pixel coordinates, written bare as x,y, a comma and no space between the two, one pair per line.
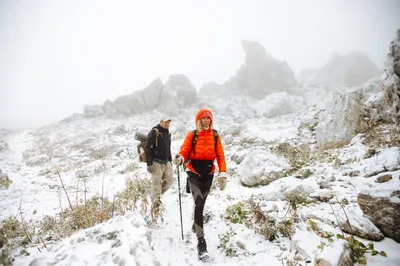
206,121
165,124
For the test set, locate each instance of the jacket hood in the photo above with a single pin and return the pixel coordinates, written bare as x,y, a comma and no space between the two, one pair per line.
203,113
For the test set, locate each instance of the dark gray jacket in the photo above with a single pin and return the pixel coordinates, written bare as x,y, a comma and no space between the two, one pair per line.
162,151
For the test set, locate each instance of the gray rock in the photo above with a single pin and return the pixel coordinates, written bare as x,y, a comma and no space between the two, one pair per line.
342,119
384,212
265,74
362,227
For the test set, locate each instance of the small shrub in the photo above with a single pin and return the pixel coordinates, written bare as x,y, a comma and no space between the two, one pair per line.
100,153
136,190
130,168
268,230
4,180
236,213
5,257
312,226
264,224
225,243
285,227
296,261
11,228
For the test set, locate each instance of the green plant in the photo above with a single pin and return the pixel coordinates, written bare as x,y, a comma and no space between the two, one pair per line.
4,180
312,225
225,243
344,202
296,261
236,213
5,257
359,249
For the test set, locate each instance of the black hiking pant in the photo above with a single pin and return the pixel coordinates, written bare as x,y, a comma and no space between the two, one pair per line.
200,187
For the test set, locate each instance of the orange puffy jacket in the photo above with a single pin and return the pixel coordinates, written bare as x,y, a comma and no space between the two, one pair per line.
205,147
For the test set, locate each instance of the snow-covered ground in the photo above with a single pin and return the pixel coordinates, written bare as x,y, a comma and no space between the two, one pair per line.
103,148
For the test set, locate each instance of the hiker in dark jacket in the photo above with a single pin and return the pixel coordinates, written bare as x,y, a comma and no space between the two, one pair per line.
158,158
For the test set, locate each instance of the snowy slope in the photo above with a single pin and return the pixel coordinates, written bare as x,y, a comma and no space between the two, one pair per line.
103,148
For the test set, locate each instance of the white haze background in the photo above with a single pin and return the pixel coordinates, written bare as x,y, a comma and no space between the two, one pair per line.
57,56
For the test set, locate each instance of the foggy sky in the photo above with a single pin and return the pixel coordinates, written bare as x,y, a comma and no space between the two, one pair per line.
56,56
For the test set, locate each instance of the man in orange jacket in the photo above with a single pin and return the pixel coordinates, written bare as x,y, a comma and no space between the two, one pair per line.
200,168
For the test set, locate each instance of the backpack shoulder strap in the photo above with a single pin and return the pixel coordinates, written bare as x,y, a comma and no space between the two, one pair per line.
194,141
215,138
157,134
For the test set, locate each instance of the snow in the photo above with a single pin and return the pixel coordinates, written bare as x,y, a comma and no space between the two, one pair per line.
130,240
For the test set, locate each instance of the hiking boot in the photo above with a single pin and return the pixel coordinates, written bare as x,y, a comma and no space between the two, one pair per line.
193,228
155,209
202,249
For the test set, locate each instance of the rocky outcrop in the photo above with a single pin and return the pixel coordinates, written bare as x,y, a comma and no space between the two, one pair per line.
265,74
391,79
342,119
234,86
384,212
348,70
177,92
135,103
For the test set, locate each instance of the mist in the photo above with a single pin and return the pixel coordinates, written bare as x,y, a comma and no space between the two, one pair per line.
58,56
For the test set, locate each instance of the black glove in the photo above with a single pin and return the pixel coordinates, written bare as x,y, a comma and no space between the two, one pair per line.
150,169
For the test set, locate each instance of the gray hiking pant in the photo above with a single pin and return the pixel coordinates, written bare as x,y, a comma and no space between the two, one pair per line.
200,187
161,179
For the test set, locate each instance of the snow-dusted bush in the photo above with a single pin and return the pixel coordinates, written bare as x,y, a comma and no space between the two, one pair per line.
4,180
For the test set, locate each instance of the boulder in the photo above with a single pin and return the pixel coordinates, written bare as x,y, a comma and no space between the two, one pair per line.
383,211
342,119
362,227
261,167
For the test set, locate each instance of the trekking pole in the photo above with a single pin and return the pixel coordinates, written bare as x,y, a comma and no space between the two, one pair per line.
179,195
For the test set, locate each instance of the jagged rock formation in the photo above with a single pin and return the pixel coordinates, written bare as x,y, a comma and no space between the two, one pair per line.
265,74
349,70
391,79
137,102
177,92
260,76
349,111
